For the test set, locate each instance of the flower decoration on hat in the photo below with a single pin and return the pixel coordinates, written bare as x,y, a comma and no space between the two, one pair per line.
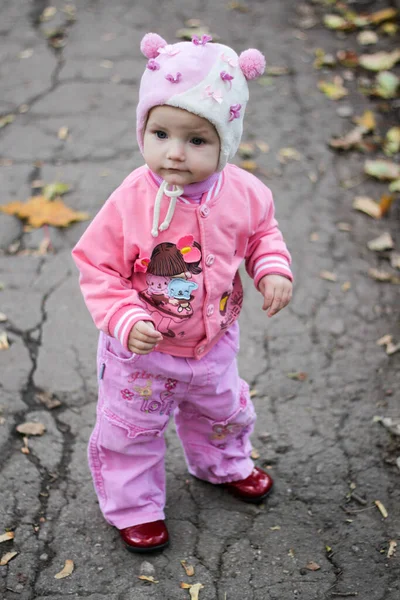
186,247
203,41
152,65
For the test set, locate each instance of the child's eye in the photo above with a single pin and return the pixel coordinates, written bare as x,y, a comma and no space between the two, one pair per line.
161,134
196,141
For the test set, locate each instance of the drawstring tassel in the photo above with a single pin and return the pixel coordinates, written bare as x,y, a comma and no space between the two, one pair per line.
173,195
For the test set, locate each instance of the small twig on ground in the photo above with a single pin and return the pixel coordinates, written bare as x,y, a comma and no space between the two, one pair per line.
344,593
358,498
353,512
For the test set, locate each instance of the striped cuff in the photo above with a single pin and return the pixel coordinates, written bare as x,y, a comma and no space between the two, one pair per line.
267,265
121,323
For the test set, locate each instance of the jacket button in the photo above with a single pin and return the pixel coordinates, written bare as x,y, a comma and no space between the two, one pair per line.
204,211
210,310
200,350
210,259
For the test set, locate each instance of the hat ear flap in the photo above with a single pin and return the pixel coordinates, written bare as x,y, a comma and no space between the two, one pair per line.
252,63
151,43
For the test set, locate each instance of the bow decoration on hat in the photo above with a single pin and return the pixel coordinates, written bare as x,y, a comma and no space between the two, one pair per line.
203,41
209,93
173,79
232,62
235,112
169,50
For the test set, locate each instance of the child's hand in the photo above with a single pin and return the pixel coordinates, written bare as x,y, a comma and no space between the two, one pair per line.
277,292
143,337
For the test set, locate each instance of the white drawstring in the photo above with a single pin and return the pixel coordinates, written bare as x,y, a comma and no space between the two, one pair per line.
173,195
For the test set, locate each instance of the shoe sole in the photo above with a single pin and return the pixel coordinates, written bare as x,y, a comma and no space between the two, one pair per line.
139,550
257,500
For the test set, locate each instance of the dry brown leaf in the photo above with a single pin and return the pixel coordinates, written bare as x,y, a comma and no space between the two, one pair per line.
5,537
239,6
194,591
382,15
298,376
328,276
367,206
385,203
366,38
346,286
48,400
381,243
185,586
249,165
333,89
31,428
246,150
39,211
7,557
381,509
286,154
392,548
254,454
253,393
351,139
291,553
312,566
395,260
63,133
262,146
25,447
66,571
383,341
149,578
383,276
344,226
367,120
4,345
189,569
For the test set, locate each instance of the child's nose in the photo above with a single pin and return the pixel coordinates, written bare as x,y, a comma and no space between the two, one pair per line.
176,150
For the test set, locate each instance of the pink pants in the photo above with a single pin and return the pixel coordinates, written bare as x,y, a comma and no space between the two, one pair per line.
137,394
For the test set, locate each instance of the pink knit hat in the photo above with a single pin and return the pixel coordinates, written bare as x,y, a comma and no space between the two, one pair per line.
206,79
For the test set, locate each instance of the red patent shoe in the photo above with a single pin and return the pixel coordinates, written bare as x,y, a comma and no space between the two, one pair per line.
254,488
146,537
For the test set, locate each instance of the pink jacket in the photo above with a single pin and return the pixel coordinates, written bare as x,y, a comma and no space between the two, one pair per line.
186,280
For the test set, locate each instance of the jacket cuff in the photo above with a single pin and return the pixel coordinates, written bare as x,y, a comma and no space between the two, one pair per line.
124,319
271,264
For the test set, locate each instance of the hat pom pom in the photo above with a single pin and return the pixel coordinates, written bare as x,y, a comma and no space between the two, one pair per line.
252,63
151,43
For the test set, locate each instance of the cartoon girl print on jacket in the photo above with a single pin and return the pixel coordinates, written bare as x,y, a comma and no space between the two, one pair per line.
169,282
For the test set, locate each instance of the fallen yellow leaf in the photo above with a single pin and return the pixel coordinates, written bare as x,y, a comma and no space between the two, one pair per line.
381,509
66,571
367,206
4,345
328,276
39,211
9,535
147,578
7,557
275,528
254,454
312,566
392,548
367,120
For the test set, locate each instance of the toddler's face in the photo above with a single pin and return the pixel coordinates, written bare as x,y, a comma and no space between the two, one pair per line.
179,146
